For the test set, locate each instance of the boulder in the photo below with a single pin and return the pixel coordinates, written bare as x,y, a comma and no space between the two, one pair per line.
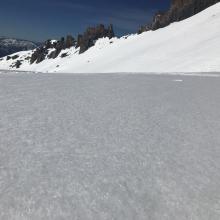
64,55
17,64
14,57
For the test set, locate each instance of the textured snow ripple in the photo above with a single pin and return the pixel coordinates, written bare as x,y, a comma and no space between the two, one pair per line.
109,147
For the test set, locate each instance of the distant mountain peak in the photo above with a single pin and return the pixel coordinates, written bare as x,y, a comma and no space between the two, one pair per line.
10,45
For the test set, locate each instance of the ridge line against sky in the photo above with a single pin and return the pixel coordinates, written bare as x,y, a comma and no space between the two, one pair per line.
44,19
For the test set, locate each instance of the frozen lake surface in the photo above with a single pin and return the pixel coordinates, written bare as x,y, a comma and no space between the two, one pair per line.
109,147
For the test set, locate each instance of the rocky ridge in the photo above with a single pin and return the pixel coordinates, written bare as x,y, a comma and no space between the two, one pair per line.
179,10
51,49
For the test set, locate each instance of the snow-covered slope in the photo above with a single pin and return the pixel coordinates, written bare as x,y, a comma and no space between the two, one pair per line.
191,45
12,45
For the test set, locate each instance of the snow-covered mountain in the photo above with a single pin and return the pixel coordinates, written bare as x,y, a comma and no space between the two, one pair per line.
12,45
191,45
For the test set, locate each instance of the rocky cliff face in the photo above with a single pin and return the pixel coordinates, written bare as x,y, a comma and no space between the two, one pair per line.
179,10
92,34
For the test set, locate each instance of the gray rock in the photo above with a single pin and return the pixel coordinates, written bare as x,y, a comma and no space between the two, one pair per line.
92,34
179,10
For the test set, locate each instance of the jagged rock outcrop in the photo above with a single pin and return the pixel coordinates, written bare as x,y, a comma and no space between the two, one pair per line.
92,34
70,41
38,55
18,64
84,42
179,10
44,51
41,52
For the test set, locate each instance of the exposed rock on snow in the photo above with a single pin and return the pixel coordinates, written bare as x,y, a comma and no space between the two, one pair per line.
179,10
84,42
92,34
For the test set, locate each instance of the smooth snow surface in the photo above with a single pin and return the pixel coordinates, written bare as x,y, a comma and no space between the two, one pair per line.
109,147
191,45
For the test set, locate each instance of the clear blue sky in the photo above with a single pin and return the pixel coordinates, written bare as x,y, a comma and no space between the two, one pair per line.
43,19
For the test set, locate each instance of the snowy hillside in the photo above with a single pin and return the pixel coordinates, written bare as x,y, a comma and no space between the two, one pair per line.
191,45
12,45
